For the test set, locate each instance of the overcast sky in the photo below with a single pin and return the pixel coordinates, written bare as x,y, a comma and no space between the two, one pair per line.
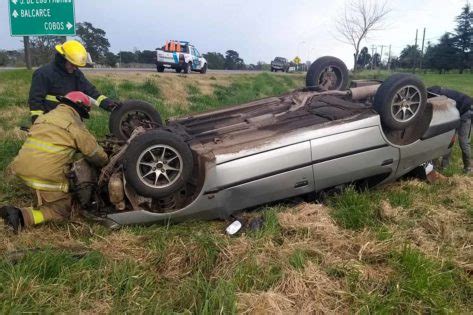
258,30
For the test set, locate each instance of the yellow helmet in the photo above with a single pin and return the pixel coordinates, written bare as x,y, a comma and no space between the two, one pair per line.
74,52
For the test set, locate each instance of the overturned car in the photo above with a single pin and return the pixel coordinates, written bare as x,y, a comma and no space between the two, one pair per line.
211,165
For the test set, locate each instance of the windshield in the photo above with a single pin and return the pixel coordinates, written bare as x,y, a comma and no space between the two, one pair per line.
280,59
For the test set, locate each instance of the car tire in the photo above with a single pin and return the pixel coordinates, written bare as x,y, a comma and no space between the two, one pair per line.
178,70
400,101
126,118
187,68
204,69
160,68
158,163
328,73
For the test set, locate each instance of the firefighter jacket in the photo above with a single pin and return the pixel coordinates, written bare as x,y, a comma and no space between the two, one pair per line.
54,139
53,80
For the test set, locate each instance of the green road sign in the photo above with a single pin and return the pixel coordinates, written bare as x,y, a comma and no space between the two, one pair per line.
42,17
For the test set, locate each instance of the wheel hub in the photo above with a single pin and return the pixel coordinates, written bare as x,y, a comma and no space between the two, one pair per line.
159,166
406,103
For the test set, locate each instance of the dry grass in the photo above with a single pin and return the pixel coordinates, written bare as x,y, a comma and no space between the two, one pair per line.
173,87
301,261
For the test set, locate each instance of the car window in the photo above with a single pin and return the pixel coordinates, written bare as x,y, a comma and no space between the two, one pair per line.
196,53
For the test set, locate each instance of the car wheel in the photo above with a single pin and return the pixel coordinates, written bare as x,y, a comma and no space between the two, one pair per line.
160,68
204,69
178,70
328,73
129,116
158,163
188,67
400,101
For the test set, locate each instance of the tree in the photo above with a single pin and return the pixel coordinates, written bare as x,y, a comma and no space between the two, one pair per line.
262,66
215,60
94,40
43,48
127,57
364,58
376,60
233,61
409,56
444,56
3,58
394,63
111,59
361,18
463,39
146,56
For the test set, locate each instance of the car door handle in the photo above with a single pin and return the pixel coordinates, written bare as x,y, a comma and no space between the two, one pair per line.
301,184
387,162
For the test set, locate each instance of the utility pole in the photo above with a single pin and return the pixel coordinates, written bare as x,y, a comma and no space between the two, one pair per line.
422,52
26,44
389,58
373,47
415,55
382,49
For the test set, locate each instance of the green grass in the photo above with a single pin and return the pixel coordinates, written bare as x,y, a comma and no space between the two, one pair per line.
242,90
419,283
460,82
353,209
194,268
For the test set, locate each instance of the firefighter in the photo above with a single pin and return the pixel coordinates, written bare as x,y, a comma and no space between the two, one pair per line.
46,157
464,106
60,77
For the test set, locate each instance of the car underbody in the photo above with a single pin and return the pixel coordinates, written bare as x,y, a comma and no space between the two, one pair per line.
246,155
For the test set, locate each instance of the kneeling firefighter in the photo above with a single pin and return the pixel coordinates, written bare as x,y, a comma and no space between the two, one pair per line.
45,159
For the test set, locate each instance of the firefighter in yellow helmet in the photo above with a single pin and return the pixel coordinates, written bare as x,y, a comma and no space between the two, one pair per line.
60,77
46,157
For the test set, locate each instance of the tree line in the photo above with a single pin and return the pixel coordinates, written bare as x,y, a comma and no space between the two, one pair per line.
98,46
454,51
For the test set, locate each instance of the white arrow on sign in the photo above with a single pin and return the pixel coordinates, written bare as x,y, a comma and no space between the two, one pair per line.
15,14
69,25
14,1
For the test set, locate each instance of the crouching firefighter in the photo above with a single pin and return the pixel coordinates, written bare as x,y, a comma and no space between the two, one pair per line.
44,161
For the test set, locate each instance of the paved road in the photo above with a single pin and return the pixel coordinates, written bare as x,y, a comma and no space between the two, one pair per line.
145,70
98,70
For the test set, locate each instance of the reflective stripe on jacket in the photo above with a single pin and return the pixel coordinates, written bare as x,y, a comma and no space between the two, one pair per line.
46,156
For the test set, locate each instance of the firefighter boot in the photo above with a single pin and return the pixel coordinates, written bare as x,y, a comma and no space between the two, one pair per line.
12,217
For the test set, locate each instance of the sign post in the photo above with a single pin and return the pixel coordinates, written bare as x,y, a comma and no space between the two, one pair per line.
42,17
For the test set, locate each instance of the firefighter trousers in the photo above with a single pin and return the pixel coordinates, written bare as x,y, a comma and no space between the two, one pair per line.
51,206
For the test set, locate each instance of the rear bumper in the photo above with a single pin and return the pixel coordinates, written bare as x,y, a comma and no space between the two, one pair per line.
171,65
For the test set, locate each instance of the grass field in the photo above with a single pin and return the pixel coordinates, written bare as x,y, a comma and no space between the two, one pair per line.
401,248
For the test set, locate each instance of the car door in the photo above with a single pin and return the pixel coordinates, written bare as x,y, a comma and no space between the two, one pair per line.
196,58
267,176
351,156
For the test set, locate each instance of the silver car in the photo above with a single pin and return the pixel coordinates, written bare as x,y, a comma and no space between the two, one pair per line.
213,164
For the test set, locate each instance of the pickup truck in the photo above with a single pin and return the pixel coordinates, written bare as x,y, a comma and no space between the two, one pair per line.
279,64
181,56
